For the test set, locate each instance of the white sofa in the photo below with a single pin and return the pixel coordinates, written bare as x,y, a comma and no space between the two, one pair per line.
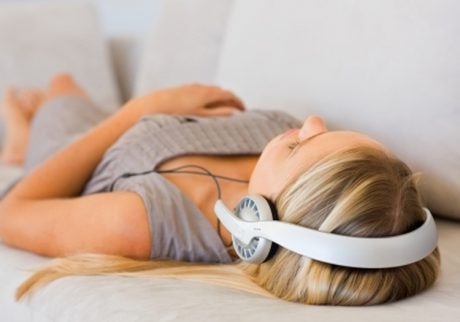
388,68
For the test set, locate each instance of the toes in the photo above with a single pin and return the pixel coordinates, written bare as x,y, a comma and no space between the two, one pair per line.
9,98
11,108
30,100
10,93
20,103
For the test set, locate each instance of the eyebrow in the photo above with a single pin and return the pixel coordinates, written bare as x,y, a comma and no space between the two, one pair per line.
306,141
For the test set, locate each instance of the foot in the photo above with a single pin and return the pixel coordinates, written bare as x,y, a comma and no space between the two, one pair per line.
18,108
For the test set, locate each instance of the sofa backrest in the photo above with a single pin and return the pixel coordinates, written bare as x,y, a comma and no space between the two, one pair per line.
388,68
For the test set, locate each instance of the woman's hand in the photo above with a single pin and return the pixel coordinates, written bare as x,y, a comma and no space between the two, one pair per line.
195,99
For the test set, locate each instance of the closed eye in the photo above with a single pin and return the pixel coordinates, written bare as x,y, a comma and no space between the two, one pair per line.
292,145
295,145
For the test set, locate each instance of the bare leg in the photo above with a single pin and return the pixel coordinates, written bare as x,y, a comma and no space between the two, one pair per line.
64,84
19,107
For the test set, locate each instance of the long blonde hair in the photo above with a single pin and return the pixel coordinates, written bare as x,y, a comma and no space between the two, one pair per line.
357,192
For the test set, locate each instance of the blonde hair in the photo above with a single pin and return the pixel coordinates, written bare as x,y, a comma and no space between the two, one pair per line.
360,191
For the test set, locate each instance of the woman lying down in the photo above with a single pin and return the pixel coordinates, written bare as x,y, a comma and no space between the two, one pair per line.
135,193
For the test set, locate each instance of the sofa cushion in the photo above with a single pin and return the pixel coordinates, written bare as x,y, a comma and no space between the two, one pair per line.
39,40
183,45
386,68
115,298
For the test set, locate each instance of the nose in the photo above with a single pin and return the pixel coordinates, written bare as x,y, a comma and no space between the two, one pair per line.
311,126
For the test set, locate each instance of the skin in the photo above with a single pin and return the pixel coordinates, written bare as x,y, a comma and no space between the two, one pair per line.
279,164
70,223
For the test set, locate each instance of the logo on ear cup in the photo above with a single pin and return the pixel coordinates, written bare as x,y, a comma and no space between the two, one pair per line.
253,208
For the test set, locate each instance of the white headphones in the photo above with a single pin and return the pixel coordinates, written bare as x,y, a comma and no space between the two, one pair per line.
254,231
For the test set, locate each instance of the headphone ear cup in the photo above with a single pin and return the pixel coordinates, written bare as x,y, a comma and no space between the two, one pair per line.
274,213
255,208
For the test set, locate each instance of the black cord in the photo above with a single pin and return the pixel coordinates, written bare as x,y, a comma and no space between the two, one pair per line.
175,170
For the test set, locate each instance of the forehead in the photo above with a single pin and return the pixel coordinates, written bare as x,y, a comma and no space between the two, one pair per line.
331,141
346,138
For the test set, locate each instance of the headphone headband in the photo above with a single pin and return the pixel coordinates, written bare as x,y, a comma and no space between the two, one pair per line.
360,252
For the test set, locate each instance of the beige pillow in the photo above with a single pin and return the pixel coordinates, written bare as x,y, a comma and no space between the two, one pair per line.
390,69
38,40
183,45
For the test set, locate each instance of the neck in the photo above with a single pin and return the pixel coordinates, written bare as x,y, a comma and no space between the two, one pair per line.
233,192
232,196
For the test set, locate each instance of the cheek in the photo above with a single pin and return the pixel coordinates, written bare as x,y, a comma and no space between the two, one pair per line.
265,179
260,178
274,151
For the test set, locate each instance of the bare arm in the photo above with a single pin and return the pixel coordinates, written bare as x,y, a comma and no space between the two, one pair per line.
44,212
95,223
65,174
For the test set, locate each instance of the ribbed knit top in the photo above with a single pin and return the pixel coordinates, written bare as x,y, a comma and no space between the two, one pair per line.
157,138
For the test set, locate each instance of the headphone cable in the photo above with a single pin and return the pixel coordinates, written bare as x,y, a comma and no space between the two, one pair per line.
175,170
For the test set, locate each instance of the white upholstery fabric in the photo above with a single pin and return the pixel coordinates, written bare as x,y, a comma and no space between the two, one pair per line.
184,44
38,40
124,299
114,299
388,68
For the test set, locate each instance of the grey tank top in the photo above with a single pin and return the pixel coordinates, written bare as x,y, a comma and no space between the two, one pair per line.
178,228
